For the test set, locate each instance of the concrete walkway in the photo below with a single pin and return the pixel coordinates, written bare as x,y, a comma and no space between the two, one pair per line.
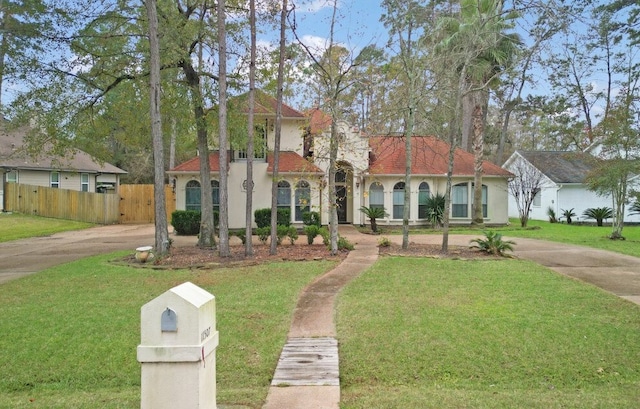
313,330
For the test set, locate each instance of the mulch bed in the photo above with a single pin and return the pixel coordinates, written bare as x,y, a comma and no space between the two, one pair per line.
434,251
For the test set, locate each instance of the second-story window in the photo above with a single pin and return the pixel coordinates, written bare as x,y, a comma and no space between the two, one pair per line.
259,144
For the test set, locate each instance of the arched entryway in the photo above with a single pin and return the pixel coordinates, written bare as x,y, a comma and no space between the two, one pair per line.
344,192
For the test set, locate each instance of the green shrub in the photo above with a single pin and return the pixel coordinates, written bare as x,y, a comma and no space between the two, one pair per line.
263,217
435,210
344,244
568,214
311,219
598,213
292,233
635,208
281,233
311,231
241,234
284,217
186,222
374,213
384,242
324,232
493,243
552,215
263,234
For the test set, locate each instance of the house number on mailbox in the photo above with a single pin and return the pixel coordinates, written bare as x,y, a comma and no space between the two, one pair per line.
169,321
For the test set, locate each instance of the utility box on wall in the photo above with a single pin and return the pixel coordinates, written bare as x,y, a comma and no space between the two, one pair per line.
177,350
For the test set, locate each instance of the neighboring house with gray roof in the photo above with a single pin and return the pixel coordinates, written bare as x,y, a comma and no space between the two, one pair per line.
563,185
76,170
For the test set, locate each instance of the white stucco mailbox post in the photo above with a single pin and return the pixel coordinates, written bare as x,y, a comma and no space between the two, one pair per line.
178,350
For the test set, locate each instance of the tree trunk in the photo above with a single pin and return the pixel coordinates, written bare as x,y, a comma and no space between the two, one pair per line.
478,156
276,147
248,245
161,229
222,119
206,238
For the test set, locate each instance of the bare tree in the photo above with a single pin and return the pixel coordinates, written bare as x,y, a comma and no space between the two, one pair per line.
524,187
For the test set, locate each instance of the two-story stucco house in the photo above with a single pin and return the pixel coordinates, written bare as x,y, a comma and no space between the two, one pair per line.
370,173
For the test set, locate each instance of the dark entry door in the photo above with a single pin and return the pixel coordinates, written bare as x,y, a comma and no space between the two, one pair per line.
341,203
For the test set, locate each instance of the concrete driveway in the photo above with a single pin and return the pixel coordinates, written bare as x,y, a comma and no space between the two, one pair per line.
22,257
616,273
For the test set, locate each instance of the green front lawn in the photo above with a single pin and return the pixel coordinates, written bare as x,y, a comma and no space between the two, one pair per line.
69,334
426,333
14,226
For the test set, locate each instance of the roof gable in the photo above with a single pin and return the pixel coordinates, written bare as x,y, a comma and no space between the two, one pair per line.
14,155
429,156
561,166
265,105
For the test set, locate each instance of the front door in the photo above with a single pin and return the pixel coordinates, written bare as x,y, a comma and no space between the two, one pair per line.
341,203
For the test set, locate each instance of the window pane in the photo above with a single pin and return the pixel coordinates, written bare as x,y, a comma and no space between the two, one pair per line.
284,194
398,201
423,197
192,195
537,200
459,200
376,195
303,199
484,200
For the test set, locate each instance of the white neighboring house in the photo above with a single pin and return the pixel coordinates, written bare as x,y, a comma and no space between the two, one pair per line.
563,186
370,173
75,171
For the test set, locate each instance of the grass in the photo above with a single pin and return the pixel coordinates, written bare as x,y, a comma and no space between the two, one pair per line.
588,235
14,226
484,334
69,334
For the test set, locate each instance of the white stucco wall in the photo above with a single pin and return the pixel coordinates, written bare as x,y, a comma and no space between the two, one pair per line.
496,197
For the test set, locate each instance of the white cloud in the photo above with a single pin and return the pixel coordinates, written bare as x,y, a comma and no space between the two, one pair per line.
313,6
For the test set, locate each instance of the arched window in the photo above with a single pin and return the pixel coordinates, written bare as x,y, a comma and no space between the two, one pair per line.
376,196
303,199
192,195
398,200
284,195
460,200
423,198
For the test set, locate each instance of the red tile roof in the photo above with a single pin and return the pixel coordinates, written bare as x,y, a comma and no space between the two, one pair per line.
265,104
193,165
291,162
319,121
430,156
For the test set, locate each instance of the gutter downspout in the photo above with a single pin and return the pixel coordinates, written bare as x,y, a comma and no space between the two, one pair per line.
558,201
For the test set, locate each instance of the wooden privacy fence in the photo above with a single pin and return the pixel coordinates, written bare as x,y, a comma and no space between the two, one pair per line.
62,203
137,203
133,204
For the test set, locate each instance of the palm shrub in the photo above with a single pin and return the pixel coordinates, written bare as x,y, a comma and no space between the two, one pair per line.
493,243
598,213
568,214
435,209
635,208
374,213
552,215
